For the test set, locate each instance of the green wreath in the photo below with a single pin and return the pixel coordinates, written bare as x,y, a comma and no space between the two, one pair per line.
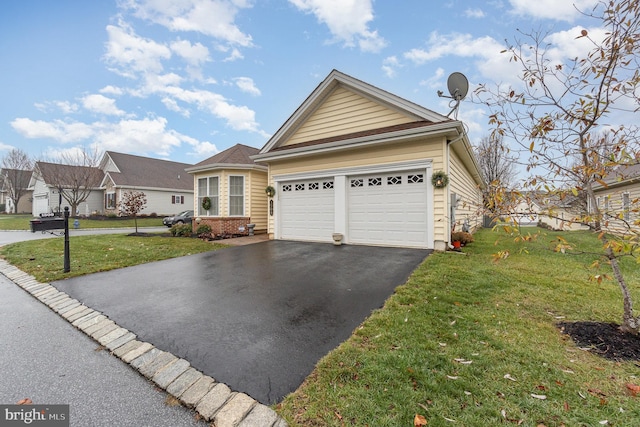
206,203
439,179
270,191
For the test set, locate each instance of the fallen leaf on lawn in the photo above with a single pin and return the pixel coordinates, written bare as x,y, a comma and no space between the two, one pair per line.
504,413
509,377
452,323
582,395
442,344
539,396
464,362
568,371
596,392
468,393
566,406
541,387
604,422
449,419
338,415
451,377
419,421
25,401
633,388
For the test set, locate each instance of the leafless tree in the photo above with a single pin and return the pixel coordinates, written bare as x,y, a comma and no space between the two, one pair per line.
559,110
497,167
16,173
75,175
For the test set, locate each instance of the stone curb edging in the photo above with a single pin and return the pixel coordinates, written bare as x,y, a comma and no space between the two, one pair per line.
212,400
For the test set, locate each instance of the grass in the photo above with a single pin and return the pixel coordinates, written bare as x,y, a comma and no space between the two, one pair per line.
444,342
21,222
44,259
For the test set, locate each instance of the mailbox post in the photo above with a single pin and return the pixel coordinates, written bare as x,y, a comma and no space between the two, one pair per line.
67,262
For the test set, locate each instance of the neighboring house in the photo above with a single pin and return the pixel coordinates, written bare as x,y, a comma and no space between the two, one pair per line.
22,177
235,186
619,199
49,178
557,213
168,188
354,163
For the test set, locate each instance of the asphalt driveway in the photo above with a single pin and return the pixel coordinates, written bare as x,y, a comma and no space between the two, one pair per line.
258,317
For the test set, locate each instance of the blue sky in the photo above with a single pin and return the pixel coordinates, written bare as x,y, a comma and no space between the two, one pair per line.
185,79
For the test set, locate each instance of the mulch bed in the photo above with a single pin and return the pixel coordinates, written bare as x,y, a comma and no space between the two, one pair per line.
603,339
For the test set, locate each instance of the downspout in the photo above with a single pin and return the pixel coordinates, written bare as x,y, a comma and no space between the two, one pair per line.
448,192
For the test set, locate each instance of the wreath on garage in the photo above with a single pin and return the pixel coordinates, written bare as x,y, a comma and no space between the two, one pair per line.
439,179
206,203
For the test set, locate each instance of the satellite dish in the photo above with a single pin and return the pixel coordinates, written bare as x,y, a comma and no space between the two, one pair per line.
458,86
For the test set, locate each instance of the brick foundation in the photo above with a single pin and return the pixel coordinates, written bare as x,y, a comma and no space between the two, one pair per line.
225,225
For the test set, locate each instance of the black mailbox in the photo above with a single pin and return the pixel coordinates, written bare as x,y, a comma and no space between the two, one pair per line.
47,223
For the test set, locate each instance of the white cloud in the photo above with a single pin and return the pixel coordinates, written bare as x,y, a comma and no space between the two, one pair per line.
204,149
130,54
6,147
194,54
348,21
434,81
111,90
101,104
492,64
233,56
57,129
149,135
210,17
246,84
172,105
552,9
474,13
390,65
65,107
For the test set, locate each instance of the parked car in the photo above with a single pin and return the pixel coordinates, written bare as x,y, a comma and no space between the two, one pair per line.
181,218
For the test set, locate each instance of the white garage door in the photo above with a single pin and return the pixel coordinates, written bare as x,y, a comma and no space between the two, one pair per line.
307,210
40,205
388,209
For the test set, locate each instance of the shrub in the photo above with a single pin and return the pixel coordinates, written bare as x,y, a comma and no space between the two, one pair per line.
153,215
462,237
181,230
204,228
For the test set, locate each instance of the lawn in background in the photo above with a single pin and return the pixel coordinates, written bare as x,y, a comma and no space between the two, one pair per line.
21,222
44,259
470,342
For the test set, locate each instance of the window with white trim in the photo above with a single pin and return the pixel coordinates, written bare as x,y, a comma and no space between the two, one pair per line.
177,200
110,200
236,196
208,187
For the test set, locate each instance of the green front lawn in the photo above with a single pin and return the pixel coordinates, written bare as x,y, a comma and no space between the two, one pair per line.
21,222
44,259
468,342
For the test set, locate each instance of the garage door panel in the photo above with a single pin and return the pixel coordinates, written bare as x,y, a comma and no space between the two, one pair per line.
307,210
388,209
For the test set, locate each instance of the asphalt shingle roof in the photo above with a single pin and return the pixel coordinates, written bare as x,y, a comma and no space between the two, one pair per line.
145,172
239,154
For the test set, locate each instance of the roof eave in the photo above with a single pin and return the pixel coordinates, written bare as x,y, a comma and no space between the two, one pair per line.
438,129
220,166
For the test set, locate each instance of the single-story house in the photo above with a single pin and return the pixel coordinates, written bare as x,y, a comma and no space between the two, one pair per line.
166,184
234,186
355,164
21,178
619,199
49,179
556,211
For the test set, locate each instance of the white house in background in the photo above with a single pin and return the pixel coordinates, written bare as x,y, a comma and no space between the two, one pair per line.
619,199
46,193
166,184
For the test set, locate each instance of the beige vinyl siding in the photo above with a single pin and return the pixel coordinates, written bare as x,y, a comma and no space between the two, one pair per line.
255,199
463,184
345,112
432,149
615,195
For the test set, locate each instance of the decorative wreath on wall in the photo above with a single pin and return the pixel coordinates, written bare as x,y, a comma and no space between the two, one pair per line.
206,203
439,179
270,191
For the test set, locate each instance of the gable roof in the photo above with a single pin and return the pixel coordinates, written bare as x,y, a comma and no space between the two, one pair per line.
129,171
54,174
621,175
236,157
415,113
